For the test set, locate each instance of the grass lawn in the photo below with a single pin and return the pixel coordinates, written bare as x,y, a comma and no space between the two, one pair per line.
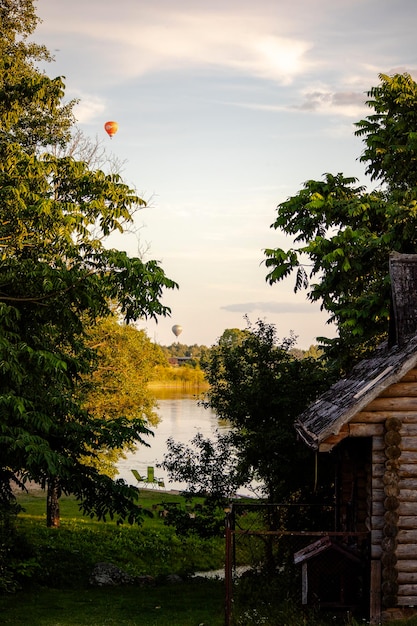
186,604
58,562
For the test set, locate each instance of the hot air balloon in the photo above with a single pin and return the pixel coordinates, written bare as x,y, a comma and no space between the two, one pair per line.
111,128
177,329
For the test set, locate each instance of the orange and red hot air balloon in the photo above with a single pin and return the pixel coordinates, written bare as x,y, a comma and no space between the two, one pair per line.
111,128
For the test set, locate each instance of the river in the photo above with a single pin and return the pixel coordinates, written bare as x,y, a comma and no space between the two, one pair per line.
181,417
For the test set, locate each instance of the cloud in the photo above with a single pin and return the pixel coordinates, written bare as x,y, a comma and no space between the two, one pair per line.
89,108
325,101
145,40
270,307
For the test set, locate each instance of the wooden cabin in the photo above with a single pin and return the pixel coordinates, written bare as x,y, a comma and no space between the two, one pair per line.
369,422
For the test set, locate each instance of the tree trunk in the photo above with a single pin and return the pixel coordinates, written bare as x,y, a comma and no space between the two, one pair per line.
52,503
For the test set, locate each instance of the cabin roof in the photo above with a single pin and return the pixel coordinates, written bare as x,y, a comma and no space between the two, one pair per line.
339,404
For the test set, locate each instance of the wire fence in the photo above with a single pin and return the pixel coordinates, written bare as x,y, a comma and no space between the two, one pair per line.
292,553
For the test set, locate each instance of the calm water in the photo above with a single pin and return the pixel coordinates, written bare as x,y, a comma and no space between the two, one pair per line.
180,418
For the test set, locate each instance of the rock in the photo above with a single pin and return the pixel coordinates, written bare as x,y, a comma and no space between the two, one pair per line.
173,579
109,575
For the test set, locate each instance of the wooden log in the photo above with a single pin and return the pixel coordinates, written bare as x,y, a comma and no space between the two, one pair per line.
407,508
392,490
407,590
393,423
409,430
406,566
407,469
407,483
393,452
390,478
411,375
365,430
407,600
377,523
391,503
378,456
409,495
376,417
378,469
392,438
376,552
392,404
401,389
389,587
408,522
408,457
388,544
409,444
378,509
407,578
407,536
390,530
406,551
378,443
391,517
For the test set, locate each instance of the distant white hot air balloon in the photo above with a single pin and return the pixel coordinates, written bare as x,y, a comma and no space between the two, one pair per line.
177,329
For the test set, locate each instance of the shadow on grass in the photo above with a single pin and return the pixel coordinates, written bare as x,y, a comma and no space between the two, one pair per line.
184,604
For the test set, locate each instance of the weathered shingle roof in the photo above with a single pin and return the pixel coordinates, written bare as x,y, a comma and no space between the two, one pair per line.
350,395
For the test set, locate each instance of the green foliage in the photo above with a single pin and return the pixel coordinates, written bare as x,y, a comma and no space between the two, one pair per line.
255,384
65,559
343,234
57,279
390,132
126,359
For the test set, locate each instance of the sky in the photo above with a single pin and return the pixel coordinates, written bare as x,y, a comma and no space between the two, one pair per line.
225,108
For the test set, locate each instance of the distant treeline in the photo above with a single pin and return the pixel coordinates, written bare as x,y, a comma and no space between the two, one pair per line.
188,373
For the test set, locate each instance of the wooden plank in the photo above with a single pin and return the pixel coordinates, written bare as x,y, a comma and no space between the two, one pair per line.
376,551
375,593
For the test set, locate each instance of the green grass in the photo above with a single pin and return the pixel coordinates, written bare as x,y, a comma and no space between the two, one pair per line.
57,564
188,604
64,557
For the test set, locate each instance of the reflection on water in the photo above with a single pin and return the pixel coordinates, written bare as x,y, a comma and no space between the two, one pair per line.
181,417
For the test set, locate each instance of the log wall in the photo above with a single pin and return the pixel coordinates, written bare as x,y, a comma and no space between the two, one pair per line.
391,420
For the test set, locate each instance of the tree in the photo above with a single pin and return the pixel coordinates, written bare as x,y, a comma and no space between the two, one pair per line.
254,384
126,359
343,234
57,279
